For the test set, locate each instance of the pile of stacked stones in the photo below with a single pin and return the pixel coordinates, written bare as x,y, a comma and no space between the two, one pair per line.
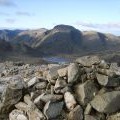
88,89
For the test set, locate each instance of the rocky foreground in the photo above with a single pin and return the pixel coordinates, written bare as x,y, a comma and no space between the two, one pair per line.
88,89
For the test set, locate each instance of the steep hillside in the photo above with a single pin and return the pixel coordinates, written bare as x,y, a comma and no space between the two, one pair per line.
61,40
9,35
29,36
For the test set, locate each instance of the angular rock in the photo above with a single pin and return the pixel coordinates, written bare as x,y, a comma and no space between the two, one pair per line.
32,81
65,89
73,72
85,92
104,65
38,102
60,84
76,113
50,97
52,73
89,117
88,60
114,117
107,72
107,102
12,93
114,67
108,80
88,109
70,101
63,72
53,109
41,85
21,106
32,111
17,115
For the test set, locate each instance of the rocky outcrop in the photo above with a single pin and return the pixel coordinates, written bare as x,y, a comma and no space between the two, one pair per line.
87,89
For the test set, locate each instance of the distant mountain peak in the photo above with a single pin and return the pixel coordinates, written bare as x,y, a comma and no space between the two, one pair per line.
64,27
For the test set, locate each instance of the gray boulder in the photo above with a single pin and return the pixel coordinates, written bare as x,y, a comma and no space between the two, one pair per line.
12,94
17,115
70,101
90,117
73,72
88,60
85,92
63,72
107,102
52,73
114,117
59,85
53,109
108,81
32,81
41,85
76,113
50,97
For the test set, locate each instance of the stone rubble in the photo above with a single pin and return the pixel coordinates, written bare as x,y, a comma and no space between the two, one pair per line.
88,89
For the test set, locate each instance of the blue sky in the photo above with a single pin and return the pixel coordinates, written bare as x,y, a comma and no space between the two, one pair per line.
100,15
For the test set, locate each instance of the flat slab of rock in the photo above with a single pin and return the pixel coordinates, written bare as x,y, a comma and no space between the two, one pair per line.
108,102
76,113
85,92
88,60
51,97
53,109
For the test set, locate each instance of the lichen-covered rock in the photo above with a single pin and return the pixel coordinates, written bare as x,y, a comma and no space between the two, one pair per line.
85,92
107,102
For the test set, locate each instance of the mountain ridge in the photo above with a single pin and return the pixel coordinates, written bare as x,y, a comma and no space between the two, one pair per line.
62,39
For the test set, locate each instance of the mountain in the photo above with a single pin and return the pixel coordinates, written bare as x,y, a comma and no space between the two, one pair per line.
61,40
9,35
5,46
64,39
29,36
